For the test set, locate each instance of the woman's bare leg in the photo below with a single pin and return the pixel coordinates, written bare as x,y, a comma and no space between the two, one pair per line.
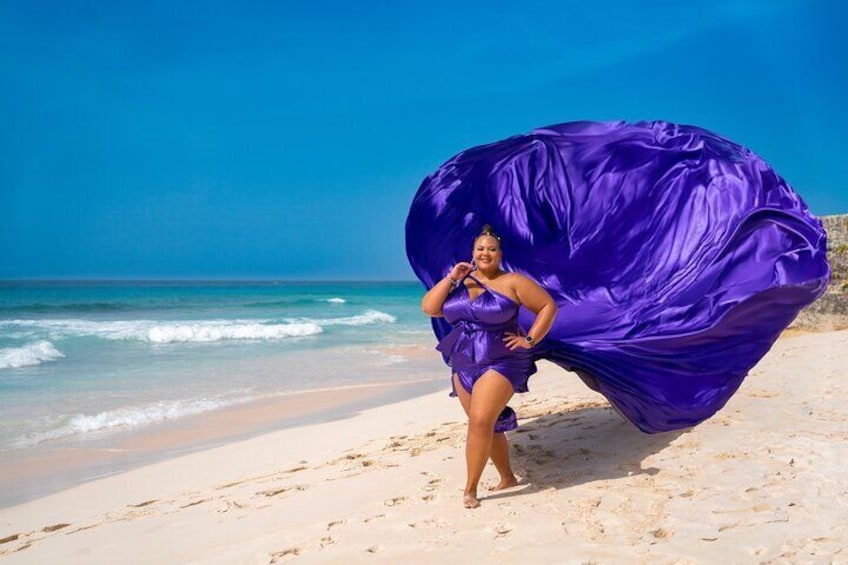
500,444
500,457
463,395
491,393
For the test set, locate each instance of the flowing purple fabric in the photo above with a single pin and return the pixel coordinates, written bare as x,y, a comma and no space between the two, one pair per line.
676,257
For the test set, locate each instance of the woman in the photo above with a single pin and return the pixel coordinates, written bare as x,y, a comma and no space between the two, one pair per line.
488,351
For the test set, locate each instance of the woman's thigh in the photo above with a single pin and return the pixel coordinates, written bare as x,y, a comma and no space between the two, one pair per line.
462,394
489,396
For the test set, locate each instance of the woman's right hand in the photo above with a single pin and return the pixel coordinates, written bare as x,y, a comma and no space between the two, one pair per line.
460,271
435,298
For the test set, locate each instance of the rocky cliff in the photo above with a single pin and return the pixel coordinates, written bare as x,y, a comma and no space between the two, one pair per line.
830,312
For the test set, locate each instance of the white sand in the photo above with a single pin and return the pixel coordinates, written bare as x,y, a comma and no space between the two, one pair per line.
761,482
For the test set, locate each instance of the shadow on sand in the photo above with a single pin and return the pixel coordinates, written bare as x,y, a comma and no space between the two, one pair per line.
580,445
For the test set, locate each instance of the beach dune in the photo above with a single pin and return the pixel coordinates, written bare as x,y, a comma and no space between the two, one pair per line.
760,482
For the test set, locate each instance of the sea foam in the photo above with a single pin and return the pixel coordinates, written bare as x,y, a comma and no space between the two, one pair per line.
210,331
182,331
367,317
170,332
31,354
131,417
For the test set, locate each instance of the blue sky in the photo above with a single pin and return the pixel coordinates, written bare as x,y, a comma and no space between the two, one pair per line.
286,140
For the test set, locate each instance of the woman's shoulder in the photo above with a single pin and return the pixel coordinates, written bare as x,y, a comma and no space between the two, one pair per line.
519,283
513,279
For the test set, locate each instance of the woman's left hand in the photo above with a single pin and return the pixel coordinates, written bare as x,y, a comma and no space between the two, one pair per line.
514,341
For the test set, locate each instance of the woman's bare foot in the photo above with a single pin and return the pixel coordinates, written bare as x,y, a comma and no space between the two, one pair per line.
505,483
470,500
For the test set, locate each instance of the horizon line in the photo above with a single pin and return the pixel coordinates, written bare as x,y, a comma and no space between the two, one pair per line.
201,280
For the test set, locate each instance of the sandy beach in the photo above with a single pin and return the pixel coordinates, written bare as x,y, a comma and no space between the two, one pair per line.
761,482
28,474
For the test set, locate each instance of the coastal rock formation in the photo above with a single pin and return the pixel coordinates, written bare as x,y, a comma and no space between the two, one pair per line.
830,312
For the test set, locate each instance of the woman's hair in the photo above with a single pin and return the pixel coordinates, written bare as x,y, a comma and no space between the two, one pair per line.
489,231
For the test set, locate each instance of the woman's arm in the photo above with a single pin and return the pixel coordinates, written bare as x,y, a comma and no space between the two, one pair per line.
435,298
537,300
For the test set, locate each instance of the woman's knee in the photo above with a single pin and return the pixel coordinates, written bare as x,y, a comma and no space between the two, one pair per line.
480,426
482,420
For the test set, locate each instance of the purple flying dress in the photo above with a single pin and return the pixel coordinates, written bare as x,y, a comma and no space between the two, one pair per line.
476,342
676,257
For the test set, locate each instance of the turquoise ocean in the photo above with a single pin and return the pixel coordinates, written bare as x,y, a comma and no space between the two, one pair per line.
81,360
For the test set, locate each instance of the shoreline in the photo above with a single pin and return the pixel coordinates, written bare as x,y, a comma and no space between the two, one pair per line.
31,473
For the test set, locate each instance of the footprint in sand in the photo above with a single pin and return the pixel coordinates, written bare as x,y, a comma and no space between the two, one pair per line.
376,517
230,485
82,528
7,539
195,503
429,523
763,394
231,505
27,545
431,485
295,469
395,501
284,554
275,491
502,530
335,524
662,533
15,537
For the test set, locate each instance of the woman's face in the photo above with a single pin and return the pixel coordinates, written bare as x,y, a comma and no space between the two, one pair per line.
487,252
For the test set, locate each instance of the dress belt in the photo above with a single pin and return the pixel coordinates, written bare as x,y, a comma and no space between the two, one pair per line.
448,344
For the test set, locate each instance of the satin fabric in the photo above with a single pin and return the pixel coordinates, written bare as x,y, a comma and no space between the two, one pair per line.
475,344
676,256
